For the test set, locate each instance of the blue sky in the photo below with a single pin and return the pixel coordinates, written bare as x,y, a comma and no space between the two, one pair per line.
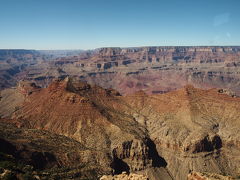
88,24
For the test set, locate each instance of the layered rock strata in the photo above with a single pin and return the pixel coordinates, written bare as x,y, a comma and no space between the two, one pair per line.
165,135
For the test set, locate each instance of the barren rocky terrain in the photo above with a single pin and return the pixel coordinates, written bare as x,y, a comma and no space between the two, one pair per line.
152,69
159,136
37,154
15,62
146,112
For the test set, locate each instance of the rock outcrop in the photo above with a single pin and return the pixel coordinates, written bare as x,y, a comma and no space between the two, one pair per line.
90,115
167,135
207,176
125,176
38,154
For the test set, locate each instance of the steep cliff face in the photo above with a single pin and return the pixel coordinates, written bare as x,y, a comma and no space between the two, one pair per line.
176,132
152,69
192,129
90,115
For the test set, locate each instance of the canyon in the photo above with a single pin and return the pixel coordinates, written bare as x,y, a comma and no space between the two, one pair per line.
159,136
152,69
121,113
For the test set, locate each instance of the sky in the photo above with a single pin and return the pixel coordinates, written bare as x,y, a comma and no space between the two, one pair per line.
89,24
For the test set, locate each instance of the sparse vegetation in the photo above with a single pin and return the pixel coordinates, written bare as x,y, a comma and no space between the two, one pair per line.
47,145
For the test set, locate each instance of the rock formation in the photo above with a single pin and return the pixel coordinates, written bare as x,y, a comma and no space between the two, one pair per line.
207,176
161,135
38,154
152,69
125,176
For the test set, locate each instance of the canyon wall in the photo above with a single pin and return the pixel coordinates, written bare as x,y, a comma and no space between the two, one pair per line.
167,135
152,69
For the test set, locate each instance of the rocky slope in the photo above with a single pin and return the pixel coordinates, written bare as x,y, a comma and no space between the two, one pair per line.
208,176
193,129
37,154
88,115
164,135
125,176
152,69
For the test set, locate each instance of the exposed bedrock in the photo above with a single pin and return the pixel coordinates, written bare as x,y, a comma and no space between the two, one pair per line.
136,156
168,134
155,70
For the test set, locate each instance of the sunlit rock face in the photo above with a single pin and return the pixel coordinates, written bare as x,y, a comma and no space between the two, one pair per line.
149,115
155,70
168,134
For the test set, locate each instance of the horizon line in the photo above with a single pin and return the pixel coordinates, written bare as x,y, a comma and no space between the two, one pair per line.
119,47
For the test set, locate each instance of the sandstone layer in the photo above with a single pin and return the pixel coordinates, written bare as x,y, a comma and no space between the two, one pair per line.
155,70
